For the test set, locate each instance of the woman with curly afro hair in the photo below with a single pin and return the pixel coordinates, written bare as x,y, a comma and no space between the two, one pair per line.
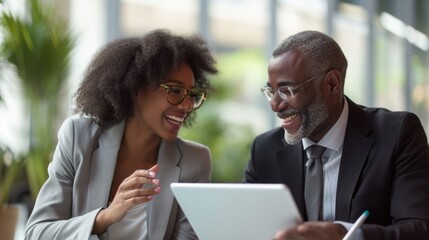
115,160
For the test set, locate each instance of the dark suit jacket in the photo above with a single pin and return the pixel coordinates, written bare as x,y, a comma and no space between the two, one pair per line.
384,169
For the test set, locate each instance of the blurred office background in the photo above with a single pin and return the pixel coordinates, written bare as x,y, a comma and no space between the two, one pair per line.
385,41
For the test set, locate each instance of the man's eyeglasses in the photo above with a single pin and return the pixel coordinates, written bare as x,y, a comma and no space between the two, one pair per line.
176,94
285,92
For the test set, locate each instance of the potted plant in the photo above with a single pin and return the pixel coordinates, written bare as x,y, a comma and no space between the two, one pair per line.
38,46
10,169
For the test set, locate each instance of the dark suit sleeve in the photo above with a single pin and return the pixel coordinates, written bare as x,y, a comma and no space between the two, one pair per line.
262,166
409,201
250,175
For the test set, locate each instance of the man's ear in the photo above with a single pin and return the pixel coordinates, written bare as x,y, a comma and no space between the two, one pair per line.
334,80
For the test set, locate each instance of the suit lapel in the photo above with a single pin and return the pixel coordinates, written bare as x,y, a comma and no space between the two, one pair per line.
286,164
356,147
103,162
160,208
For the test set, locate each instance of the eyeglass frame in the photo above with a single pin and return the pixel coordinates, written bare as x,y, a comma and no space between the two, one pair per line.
292,90
168,88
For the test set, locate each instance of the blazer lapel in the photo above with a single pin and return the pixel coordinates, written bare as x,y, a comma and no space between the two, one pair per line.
102,168
295,182
160,208
357,144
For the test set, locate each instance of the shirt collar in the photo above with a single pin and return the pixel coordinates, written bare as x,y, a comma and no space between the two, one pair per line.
334,138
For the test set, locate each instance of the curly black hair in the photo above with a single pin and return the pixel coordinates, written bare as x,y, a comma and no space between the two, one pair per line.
123,67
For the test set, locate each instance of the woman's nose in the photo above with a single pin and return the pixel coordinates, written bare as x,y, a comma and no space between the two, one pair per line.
187,104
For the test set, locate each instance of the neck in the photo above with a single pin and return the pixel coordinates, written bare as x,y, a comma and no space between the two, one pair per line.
138,143
323,128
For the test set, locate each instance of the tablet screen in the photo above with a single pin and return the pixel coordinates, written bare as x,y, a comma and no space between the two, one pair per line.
236,211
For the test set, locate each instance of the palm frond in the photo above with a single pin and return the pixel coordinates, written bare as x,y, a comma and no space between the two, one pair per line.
39,46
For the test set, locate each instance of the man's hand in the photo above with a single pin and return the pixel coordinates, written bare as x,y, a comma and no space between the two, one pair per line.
313,230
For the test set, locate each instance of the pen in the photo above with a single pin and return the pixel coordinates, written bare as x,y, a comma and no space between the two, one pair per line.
356,225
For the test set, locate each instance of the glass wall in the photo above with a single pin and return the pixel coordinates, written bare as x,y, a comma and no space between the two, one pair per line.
386,43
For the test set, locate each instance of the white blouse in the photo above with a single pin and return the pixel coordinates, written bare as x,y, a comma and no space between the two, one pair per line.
133,226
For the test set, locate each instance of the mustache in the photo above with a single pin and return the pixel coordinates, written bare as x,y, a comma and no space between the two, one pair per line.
286,113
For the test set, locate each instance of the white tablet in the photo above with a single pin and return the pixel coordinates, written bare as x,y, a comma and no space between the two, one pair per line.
236,211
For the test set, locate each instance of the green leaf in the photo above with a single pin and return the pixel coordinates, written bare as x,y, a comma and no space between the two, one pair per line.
39,47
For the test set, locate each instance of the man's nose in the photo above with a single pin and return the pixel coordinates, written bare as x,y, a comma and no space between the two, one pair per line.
277,103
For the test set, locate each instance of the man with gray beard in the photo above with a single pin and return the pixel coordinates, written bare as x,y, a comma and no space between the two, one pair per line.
371,159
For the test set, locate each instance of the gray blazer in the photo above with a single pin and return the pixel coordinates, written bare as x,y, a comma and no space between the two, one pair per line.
80,177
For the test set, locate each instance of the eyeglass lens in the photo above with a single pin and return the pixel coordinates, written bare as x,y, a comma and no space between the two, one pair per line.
176,94
283,92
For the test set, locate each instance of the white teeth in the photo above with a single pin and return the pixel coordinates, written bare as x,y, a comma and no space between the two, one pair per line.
175,118
290,118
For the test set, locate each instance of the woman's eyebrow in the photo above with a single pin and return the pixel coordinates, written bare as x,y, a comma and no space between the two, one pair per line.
178,82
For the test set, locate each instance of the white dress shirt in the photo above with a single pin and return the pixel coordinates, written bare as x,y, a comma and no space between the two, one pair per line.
333,141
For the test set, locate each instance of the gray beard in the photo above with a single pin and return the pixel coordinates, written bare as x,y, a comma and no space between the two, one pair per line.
315,114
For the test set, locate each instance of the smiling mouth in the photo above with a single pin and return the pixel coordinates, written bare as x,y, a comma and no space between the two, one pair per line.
290,118
291,122
175,119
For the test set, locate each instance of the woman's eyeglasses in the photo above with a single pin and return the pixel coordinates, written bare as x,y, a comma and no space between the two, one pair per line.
176,94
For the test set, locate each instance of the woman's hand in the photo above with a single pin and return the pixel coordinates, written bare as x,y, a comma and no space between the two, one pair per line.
139,187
